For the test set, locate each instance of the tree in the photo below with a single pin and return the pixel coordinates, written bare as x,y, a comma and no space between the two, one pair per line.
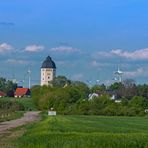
98,88
139,102
130,88
60,81
127,89
115,86
7,86
129,83
82,88
10,86
142,90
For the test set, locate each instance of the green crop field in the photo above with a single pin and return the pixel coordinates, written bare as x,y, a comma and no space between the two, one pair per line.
86,132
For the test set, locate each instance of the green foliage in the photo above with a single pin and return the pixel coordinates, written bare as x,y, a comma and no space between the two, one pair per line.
127,89
59,98
17,104
98,88
139,102
6,115
6,86
12,108
69,100
142,90
115,86
99,103
60,81
27,104
71,97
7,103
86,131
82,88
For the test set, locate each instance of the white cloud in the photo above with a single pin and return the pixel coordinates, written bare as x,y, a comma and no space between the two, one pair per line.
34,48
94,63
64,49
101,54
141,54
4,47
137,73
14,61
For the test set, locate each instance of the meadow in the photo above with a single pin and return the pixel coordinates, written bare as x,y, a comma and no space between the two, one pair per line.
86,132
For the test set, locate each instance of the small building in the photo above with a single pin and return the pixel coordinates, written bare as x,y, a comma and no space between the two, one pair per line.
2,94
52,112
93,95
22,92
112,94
118,101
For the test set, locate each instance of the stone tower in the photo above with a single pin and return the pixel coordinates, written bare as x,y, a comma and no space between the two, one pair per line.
48,71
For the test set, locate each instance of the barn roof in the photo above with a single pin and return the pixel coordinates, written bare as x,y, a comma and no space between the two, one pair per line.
21,91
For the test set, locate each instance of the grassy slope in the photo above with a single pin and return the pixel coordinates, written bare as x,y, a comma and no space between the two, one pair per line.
87,131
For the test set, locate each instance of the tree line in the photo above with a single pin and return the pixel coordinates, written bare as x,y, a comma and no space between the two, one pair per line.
71,97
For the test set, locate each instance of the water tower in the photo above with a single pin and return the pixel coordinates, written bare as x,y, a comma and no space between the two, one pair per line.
48,71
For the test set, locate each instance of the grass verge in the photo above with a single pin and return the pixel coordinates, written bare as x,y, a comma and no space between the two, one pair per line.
12,116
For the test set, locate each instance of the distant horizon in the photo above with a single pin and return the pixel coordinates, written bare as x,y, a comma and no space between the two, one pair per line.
88,40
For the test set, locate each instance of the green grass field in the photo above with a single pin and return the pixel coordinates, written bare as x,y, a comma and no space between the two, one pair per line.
87,132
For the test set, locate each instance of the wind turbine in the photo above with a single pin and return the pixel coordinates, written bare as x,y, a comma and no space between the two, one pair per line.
97,82
118,75
29,77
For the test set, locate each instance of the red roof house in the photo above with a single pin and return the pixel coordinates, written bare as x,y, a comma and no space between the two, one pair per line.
22,92
2,94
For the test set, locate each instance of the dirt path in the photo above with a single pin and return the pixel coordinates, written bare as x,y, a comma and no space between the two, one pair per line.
28,117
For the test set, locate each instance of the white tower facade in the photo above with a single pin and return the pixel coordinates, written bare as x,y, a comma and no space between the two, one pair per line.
48,71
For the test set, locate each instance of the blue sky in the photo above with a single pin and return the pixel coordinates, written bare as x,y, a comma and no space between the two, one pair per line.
86,39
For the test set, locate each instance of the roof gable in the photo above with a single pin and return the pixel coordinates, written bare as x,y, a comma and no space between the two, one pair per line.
21,91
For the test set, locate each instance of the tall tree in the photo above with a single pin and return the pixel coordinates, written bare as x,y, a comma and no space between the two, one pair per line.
7,85
60,81
82,88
